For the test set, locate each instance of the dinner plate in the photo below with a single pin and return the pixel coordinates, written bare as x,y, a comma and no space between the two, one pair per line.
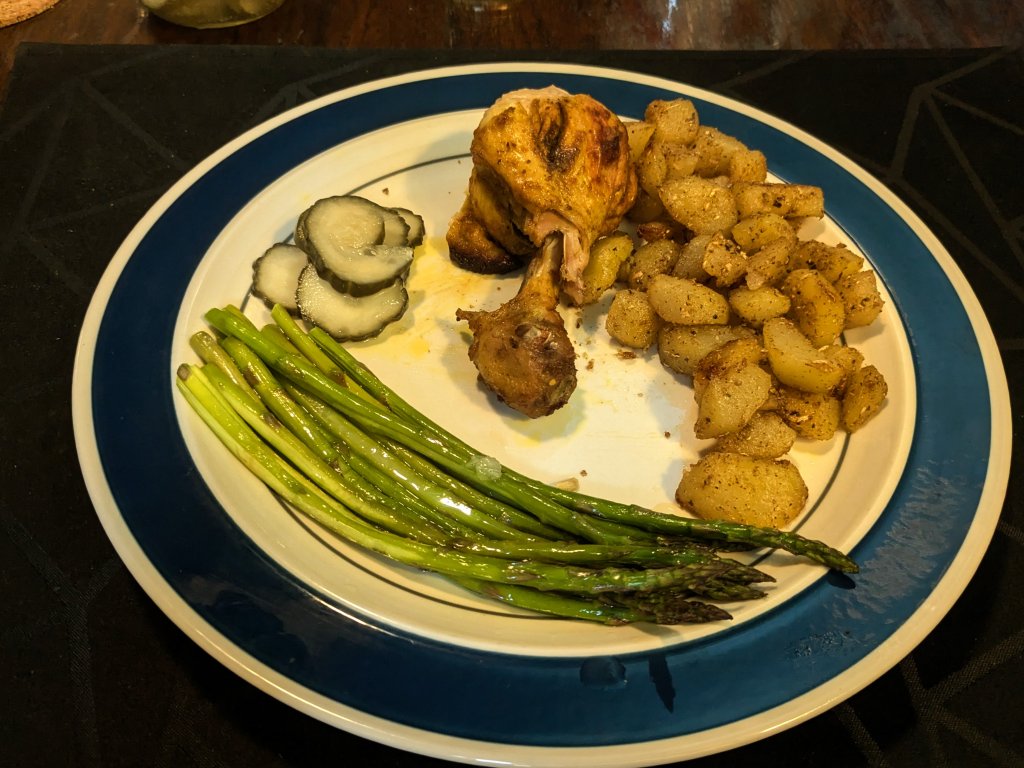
404,658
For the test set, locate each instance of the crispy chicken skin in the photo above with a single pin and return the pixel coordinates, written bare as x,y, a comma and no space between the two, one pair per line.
543,161
521,349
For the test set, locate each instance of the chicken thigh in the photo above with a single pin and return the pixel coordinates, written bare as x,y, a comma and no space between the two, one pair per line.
544,161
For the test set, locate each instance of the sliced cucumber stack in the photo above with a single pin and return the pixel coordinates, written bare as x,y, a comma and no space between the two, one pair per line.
350,280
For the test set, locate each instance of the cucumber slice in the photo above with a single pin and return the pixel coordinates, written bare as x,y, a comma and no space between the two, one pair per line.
346,237
348,317
417,229
275,275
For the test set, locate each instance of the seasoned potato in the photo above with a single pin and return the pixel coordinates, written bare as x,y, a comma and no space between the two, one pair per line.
728,400
743,489
699,204
680,160
754,307
690,263
850,358
817,308
682,347
832,261
756,231
685,302
652,169
861,301
674,121
661,228
765,436
638,133
865,395
714,151
647,207
748,165
650,259
789,200
768,265
606,256
812,415
796,362
724,260
631,320
731,356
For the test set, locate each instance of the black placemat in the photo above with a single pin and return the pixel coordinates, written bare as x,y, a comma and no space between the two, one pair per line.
93,674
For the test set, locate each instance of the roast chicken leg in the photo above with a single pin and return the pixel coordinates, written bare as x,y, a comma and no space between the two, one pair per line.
550,170
521,349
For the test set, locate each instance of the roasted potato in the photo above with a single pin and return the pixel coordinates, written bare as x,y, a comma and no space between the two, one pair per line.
768,265
754,307
755,232
811,415
607,255
631,320
865,394
832,261
638,133
796,362
701,205
674,121
748,165
650,259
862,303
686,302
714,151
817,308
682,347
789,200
690,263
724,260
729,399
743,489
765,436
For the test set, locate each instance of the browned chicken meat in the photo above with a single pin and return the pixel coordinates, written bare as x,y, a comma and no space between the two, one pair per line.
521,349
550,169
544,161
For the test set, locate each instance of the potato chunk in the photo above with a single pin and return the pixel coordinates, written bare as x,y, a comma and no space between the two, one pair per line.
812,415
755,307
861,301
765,436
650,259
832,261
817,308
796,362
685,302
674,120
682,347
865,395
724,260
602,270
631,320
743,489
728,400
699,204
789,200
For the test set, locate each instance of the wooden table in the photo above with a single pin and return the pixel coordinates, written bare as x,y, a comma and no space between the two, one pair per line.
544,24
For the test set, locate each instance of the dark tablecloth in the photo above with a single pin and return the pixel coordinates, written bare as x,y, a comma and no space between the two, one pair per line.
92,673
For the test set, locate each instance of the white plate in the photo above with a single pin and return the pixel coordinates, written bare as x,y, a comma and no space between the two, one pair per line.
407,659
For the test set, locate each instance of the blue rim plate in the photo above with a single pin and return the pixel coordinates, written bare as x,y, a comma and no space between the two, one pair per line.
339,660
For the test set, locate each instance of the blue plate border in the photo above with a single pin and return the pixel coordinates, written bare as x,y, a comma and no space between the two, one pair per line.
239,591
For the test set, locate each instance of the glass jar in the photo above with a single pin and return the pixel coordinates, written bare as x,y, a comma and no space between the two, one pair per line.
207,14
